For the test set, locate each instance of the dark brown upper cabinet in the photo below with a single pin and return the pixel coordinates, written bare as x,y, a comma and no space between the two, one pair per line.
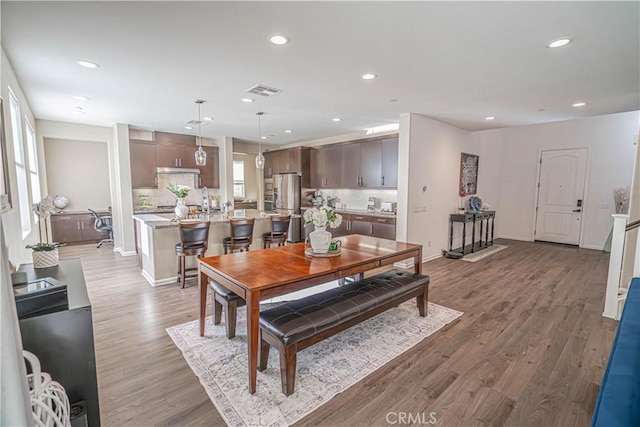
290,160
326,167
390,163
143,165
209,175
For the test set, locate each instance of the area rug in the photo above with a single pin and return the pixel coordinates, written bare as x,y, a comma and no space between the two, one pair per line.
323,370
480,255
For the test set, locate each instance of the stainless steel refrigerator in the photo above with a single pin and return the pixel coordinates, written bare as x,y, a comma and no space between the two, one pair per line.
286,199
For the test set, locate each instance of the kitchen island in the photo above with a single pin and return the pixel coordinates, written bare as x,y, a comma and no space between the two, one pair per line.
157,236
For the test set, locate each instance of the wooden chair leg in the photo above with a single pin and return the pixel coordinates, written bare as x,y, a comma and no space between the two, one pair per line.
232,308
288,368
179,267
423,302
217,309
264,353
183,273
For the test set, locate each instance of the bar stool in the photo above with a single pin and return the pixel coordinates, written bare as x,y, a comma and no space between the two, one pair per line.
223,299
194,240
241,235
279,231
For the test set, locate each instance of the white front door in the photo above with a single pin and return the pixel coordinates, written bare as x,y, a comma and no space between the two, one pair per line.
561,196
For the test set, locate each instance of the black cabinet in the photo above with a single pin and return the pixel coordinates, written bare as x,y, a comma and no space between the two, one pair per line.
63,341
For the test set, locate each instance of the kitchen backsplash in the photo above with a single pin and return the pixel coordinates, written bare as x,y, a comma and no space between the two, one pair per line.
162,197
357,199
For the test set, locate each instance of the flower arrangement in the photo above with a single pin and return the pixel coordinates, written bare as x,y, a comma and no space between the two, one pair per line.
462,195
180,191
322,216
621,199
43,210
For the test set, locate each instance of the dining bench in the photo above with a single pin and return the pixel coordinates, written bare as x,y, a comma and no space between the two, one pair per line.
296,325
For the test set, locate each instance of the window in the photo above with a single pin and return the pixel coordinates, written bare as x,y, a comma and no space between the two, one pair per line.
238,178
33,166
21,167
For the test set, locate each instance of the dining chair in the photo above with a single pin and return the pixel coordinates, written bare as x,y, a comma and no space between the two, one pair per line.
279,231
194,241
241,235
224,300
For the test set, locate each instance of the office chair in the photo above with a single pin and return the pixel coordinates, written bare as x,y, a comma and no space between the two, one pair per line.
103,223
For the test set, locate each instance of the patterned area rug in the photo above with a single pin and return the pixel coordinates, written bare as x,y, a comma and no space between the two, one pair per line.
323,370
477,256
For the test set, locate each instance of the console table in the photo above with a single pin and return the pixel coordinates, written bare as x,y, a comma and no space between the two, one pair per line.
63,340
485,219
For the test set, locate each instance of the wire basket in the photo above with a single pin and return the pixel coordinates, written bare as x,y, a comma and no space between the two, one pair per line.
49,402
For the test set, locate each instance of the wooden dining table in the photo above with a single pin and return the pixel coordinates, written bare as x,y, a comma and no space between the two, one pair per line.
263,274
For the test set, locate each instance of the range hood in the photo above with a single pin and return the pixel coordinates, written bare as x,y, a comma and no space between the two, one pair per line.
177,170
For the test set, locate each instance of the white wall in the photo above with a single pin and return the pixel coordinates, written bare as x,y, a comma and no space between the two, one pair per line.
80,171
431,152
509,168
14,397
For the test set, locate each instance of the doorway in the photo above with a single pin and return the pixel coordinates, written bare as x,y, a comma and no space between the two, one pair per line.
560,204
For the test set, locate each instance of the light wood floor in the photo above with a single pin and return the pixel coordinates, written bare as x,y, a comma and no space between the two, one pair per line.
530,348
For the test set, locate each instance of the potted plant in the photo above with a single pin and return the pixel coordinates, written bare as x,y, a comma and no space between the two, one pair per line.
180,191
322,218
44,253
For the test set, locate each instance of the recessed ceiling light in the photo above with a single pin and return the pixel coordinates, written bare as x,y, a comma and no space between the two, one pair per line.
393,100
263,137
369,76
287,131
208,119
79,110
579,104
87,64
279,40
559,42
248,100
490,118
81,98
337,119
188,127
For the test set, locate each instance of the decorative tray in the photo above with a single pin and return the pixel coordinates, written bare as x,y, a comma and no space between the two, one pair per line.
309,252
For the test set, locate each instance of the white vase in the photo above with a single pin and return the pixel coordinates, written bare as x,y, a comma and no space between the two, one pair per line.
44,259
320,240
181,210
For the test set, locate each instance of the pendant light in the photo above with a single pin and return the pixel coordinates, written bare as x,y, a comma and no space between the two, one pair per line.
259,157
200,154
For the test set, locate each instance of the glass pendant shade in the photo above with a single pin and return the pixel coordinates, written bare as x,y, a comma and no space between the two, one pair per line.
260,161
201,157
200,154
259,157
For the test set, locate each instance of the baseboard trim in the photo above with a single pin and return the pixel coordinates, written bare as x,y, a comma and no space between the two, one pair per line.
431,258
124,253
522,239
408,263
594,247
162,282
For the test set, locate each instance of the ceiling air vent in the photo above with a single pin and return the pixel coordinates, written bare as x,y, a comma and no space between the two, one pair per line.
263,90
197,122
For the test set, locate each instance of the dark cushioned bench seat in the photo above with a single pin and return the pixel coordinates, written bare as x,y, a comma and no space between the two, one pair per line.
295,325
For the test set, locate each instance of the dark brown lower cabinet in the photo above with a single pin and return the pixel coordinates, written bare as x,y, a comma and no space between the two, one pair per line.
76,228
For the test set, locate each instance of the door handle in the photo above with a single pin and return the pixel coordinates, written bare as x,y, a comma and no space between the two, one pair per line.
577,210
383,181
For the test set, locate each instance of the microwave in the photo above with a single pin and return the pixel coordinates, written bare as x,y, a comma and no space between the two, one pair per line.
268,186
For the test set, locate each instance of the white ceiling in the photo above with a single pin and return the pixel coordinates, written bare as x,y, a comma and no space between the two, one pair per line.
454,61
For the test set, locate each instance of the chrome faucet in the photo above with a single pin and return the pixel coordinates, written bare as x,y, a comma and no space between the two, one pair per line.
206,204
